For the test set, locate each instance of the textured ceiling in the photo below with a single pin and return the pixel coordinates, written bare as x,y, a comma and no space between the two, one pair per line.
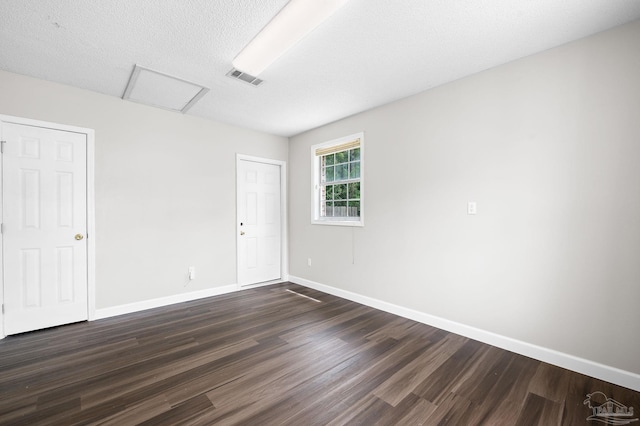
370,53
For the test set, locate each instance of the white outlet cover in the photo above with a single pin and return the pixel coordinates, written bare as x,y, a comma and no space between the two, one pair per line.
472,207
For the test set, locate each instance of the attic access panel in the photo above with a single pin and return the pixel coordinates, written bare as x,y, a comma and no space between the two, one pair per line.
150,87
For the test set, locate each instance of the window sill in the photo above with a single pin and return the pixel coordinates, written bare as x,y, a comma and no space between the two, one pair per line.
356,223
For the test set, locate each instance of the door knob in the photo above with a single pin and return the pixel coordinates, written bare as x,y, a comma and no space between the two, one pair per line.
79,237
241,232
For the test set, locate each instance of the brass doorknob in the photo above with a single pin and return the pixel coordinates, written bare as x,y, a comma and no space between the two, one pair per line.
241,232
79,237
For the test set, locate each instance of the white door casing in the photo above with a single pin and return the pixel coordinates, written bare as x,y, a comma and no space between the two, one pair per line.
47,215
259,220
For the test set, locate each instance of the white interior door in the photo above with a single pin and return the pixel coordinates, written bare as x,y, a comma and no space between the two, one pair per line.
259,222
44,216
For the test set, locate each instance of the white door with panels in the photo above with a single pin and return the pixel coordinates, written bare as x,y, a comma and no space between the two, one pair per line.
259,222
44,227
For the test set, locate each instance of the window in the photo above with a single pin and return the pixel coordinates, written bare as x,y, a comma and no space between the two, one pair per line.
337,168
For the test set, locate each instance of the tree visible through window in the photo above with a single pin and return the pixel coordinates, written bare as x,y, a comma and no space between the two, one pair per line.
338,181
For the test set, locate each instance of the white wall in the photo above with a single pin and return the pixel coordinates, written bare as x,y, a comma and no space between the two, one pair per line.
549,148
165,188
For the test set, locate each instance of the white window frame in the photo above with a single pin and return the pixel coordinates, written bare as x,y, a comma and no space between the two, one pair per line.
316,184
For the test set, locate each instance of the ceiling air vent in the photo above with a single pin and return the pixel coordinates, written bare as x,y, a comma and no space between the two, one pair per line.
243,76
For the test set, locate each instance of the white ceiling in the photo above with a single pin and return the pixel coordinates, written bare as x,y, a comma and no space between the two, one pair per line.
370,53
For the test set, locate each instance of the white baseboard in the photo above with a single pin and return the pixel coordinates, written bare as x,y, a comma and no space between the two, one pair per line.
162,301
130,308
584,366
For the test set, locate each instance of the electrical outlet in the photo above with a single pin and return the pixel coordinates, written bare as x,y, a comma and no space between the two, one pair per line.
309,261
472,207
192,272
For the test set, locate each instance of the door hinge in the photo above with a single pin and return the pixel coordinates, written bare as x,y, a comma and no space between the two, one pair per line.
1,228
2,146
3,309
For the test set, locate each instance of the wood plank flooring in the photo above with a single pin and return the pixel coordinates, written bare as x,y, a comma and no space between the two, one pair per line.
267,356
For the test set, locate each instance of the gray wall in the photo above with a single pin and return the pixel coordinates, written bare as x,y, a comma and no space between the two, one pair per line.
549,148
165,188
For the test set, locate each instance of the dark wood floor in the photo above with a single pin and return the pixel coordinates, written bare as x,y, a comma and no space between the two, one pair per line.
267,356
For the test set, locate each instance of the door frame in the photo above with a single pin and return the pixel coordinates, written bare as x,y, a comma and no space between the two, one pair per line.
284,242
91,232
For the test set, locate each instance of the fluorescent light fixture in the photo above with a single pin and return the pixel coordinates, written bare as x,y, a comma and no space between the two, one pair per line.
297,19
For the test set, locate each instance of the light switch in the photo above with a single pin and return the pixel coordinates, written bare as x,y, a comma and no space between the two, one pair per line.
472,207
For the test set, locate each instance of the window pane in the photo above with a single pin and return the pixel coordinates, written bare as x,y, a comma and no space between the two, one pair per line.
329,192
328,160
328,175
338,168
342,157
340,192
354,191
354,209
342,172
354,170
327,209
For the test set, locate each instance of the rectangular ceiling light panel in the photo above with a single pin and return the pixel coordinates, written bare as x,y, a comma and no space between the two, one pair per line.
297,19
157,89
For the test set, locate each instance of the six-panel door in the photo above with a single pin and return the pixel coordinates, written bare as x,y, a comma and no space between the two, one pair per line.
44,227
259,245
